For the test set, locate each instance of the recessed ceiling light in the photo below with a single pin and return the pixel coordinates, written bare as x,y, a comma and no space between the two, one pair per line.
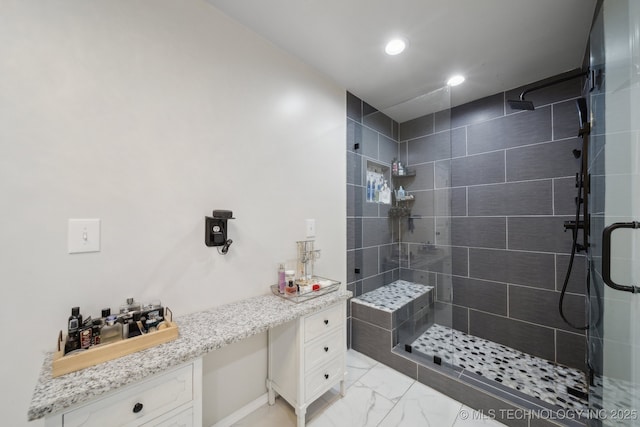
395,46
455,80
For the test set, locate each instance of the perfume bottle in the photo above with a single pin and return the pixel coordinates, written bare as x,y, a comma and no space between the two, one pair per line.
281,279
111,331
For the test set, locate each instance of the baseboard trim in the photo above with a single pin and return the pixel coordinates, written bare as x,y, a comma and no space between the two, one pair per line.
242,412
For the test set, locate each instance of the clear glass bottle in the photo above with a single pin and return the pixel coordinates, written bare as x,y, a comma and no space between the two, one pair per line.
281,279
111,331
130,306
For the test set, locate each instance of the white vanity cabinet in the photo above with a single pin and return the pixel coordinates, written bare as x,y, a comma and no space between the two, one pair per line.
307,357
173,398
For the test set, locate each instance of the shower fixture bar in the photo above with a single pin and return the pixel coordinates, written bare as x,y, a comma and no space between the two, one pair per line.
523,104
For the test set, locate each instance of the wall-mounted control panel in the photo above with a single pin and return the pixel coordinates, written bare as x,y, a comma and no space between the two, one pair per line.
215,229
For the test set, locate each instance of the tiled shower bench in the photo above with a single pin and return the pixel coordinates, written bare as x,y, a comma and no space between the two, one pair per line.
400,307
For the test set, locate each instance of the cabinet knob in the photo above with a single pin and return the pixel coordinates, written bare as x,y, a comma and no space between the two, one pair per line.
326,349
326,376
137,407
326,321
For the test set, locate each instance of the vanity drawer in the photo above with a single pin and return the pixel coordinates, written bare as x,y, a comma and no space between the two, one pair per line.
183,419
318,323
322,379
322,349
146,400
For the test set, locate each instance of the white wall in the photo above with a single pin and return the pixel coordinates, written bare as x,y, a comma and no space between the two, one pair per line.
149,114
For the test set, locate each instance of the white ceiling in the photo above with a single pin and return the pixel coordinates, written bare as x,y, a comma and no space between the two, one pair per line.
497,44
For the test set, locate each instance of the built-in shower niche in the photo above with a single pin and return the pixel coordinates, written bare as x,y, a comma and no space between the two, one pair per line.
377,182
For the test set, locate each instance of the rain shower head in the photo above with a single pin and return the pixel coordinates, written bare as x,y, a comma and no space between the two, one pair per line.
520,104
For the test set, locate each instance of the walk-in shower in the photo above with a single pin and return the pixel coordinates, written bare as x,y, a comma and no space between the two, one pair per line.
462,283
464,272
433,331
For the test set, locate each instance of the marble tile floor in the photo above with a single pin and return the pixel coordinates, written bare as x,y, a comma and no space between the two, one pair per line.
512,368
376,396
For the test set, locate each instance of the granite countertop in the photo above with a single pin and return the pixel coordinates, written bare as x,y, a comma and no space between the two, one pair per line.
200,333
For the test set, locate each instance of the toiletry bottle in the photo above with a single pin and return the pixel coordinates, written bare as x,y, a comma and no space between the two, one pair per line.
130,306
292,288
85,335
73,329
111,331
135,328
96,328
106,312
281,279
368,187
151,310
75,320
126,314
289,276
401,193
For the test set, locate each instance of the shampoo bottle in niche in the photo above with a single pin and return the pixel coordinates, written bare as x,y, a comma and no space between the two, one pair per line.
401,193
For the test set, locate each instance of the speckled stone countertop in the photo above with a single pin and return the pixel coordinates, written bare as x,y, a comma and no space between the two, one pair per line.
200,333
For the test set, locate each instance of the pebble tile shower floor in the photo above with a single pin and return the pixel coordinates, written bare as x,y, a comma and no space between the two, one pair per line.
520,371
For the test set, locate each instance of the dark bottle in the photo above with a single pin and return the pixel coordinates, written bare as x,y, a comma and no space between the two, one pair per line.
85,338
73,328
75,320
96,330
135,325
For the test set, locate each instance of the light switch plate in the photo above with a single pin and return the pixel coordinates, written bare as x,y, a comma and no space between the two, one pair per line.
83,235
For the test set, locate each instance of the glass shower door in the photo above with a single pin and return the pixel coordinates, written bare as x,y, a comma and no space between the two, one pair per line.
424,229
614,334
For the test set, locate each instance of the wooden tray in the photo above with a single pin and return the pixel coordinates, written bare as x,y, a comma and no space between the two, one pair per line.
101,353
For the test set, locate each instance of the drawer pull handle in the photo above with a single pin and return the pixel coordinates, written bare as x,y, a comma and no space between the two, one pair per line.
326,349
326,376
137,407
326,321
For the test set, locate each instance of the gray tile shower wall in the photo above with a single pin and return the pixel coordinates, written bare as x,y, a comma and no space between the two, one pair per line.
506,185
373,252
493,188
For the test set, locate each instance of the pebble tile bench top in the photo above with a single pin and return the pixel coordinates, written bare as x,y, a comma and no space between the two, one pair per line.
200,333
393,296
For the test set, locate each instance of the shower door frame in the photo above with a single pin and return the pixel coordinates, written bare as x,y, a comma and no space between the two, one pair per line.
614,334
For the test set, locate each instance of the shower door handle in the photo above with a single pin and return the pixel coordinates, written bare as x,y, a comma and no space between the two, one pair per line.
606,256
